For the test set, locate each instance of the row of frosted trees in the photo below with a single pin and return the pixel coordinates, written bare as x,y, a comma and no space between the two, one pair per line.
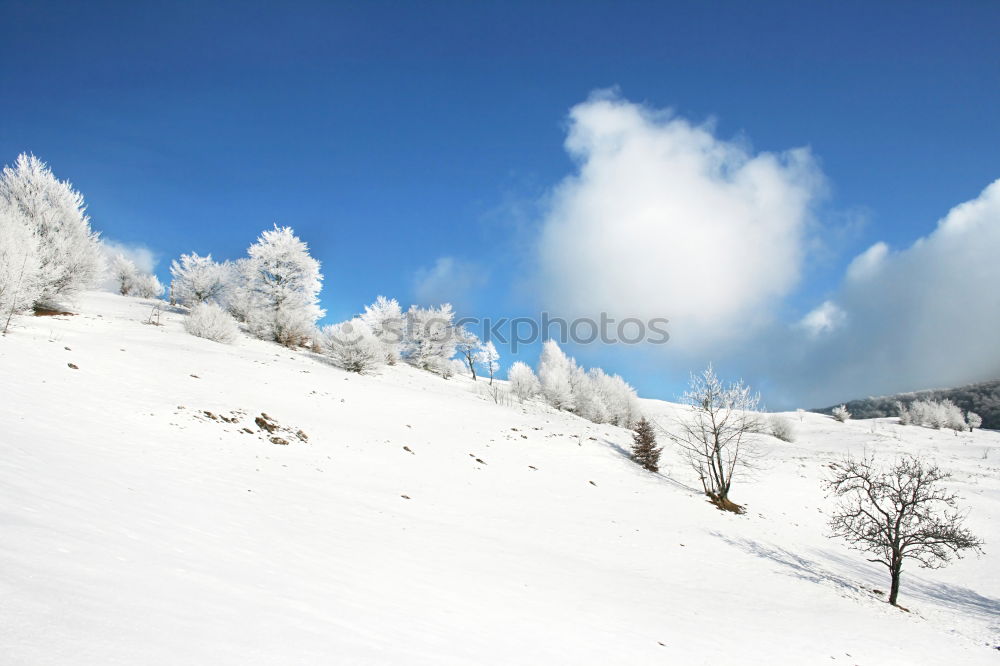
49,253
274,291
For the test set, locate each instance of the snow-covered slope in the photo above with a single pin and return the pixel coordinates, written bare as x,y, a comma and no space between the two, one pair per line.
420,523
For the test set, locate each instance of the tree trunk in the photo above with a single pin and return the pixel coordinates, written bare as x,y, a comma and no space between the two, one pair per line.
472,369
894,589
722,487
17,289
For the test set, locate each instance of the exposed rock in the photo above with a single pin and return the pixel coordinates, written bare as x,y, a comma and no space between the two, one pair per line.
264,423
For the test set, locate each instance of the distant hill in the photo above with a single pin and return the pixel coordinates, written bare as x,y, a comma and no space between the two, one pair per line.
982,398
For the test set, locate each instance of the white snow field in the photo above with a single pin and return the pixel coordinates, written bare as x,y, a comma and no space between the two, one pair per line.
136,529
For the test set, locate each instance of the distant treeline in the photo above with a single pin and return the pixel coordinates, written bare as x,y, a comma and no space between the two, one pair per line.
983,398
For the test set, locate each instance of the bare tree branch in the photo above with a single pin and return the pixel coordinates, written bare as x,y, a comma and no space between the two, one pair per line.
718,434
898,513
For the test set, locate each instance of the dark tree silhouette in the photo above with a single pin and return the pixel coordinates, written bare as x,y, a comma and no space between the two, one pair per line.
899,513
644,449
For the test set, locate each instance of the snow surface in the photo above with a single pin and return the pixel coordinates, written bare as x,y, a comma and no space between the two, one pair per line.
136,529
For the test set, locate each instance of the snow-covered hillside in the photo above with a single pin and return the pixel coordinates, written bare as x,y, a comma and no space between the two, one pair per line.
415,521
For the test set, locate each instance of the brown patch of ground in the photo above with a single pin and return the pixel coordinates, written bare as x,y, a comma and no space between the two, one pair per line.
46,312
724,504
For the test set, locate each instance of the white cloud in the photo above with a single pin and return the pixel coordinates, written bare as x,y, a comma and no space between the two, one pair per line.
143,257
867,264
925,317
449,280
824,319
663,219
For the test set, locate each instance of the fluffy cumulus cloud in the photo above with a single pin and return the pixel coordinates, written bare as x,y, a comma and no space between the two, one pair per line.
927,316
661,218
449,280
664,219
824,319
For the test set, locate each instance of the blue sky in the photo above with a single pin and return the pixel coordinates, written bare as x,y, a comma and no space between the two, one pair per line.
393,135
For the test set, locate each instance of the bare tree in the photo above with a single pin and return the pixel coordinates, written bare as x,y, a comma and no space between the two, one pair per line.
898,513
468,345
717,435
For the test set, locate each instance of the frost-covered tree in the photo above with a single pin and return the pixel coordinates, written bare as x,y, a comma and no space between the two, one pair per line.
384,318
147,285
933,414
68,251
282,282
291,327
456,367
974,420
123,272
523,383
208,320
20,273
429,342
920,412
718,433
555,374
597,396
468,346
195,279
130,281
898,513
781,428
238,297
593,395
489,358
644,449
953,417
447,369
618,400
905,415
587,401
353,346
841,414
